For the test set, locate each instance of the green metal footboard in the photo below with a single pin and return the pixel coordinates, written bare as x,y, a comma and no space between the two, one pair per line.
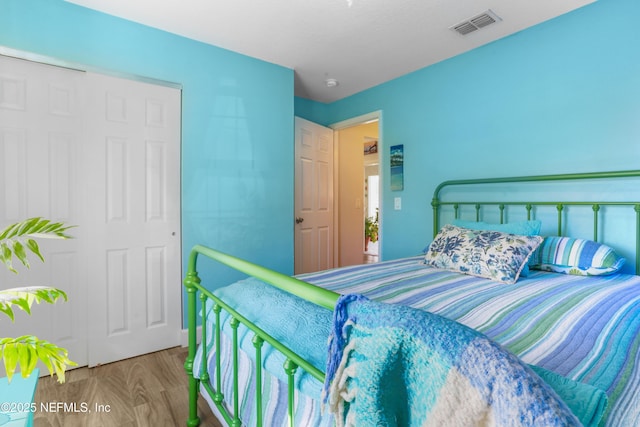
596,206
320,296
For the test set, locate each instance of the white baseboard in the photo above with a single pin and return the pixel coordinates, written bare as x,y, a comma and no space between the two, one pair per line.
184,336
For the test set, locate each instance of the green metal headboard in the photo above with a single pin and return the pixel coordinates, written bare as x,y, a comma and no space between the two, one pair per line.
596,206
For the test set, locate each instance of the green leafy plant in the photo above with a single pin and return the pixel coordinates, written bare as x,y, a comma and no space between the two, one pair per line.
16,242
371,228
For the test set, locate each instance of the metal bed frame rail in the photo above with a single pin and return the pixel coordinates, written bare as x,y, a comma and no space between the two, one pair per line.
317,295
437,203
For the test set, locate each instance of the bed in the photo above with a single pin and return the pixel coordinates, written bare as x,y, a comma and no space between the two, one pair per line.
263,351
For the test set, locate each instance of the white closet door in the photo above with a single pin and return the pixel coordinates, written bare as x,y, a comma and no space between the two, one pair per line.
134,262
102,153
41,136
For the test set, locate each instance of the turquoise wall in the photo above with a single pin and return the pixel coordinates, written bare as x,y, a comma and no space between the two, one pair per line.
237,134
563,96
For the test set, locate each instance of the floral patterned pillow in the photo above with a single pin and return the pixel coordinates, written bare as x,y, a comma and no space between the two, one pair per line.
484,253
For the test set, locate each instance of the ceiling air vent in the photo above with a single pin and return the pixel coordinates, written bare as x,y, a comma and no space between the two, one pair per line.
479,21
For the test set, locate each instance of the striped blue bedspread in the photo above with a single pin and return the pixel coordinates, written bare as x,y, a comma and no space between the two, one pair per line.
584,328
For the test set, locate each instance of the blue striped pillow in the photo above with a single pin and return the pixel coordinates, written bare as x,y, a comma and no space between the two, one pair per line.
580,257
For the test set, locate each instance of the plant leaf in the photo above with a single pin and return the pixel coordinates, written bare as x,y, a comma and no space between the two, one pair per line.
8,311
10,356
26,296
33,247
28,225
7,256
10,230
18,237
19,252
26,356
25,352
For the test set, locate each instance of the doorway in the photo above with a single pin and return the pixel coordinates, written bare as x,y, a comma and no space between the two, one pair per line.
347,200
371,201
358,192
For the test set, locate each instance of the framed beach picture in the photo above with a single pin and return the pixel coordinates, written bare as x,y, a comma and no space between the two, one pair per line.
370,147
397,167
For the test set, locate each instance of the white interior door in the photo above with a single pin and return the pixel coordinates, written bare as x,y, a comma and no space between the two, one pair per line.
135,228
101,153
41,136
313,197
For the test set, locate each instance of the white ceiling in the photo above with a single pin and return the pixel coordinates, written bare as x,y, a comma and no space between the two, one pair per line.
360,43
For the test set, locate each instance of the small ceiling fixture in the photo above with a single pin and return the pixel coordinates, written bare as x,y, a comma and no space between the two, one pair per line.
331,82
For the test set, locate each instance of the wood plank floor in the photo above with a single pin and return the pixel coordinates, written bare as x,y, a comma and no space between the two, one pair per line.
149,390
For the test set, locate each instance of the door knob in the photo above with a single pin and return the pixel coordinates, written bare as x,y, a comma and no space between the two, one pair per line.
299,220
